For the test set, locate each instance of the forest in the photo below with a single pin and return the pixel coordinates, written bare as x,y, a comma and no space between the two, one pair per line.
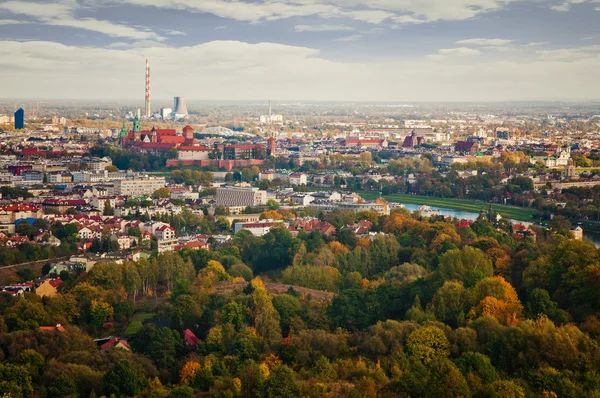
419,308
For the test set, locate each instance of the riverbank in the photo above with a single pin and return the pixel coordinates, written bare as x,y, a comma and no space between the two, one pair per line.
516,213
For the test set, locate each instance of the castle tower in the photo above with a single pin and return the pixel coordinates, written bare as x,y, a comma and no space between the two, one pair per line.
188,133
271,146
570,170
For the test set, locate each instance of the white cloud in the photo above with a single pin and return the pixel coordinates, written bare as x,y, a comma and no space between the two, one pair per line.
485,42
175,33
569,54
564,7
536,43
349,38
322,28
459,51
62,14
236,71
12,22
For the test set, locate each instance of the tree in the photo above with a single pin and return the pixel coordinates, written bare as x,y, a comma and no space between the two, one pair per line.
124,378
161,193
14,381
450,303
445,380
467,265
266,318
282,384
241,270
100,312
108,210
428,344
272,204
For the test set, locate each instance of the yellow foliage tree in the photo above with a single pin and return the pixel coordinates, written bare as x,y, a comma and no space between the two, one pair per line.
188,372
271,215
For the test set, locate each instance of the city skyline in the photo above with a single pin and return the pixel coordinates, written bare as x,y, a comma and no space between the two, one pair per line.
432,51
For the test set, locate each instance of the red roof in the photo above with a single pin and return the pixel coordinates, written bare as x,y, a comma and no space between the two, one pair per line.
188,128
113,342
166,132
55,282
190,338
172,139
65,202
57,328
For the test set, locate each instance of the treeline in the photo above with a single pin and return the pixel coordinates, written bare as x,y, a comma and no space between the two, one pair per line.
423,309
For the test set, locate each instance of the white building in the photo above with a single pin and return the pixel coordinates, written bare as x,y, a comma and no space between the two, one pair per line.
298,179
258,228
193,153
241,196
139,186
100,202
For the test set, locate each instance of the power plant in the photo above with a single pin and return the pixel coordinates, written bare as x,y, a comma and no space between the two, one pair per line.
179,108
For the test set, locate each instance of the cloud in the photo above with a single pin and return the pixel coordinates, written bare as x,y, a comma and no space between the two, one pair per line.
485,42
63,14
175,33
569,54
236,71
536,43
12,22
349,38
564,7
459,51
371,11
322,28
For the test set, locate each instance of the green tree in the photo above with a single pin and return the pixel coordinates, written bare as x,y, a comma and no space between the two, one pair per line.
266,318
282,384
445,380
467,265
161,193
108,210
428,344
272,204
15,381
100,312
124,378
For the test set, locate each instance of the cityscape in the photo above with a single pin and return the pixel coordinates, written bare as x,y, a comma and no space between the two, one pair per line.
299,199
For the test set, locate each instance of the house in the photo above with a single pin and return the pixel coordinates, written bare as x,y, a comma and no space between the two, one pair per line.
57,328
298,179
309,226
122,239
48,288
113,342
521,231
466,147
190,338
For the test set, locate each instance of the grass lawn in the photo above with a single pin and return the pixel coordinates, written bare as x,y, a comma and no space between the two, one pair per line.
137,323
515,213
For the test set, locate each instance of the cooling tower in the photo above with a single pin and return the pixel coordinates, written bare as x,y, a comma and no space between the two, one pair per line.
179,107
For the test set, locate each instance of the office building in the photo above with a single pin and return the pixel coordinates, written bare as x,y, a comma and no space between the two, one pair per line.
139,186
20,119
238,196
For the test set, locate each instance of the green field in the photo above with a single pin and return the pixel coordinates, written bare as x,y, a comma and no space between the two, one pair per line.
515,213
137,322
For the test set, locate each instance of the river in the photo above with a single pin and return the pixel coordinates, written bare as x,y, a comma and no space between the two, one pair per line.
468,215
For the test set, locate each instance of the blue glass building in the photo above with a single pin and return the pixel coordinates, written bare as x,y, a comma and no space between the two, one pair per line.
20,119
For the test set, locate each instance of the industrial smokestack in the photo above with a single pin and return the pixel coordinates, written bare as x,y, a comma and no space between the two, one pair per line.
148,112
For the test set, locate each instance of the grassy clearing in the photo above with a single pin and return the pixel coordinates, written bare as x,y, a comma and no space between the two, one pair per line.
515,213
137,322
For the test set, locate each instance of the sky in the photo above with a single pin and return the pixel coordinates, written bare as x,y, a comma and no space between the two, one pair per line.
321,50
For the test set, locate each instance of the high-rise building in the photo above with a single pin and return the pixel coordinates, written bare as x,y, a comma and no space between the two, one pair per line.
148,112
20,119
179,108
